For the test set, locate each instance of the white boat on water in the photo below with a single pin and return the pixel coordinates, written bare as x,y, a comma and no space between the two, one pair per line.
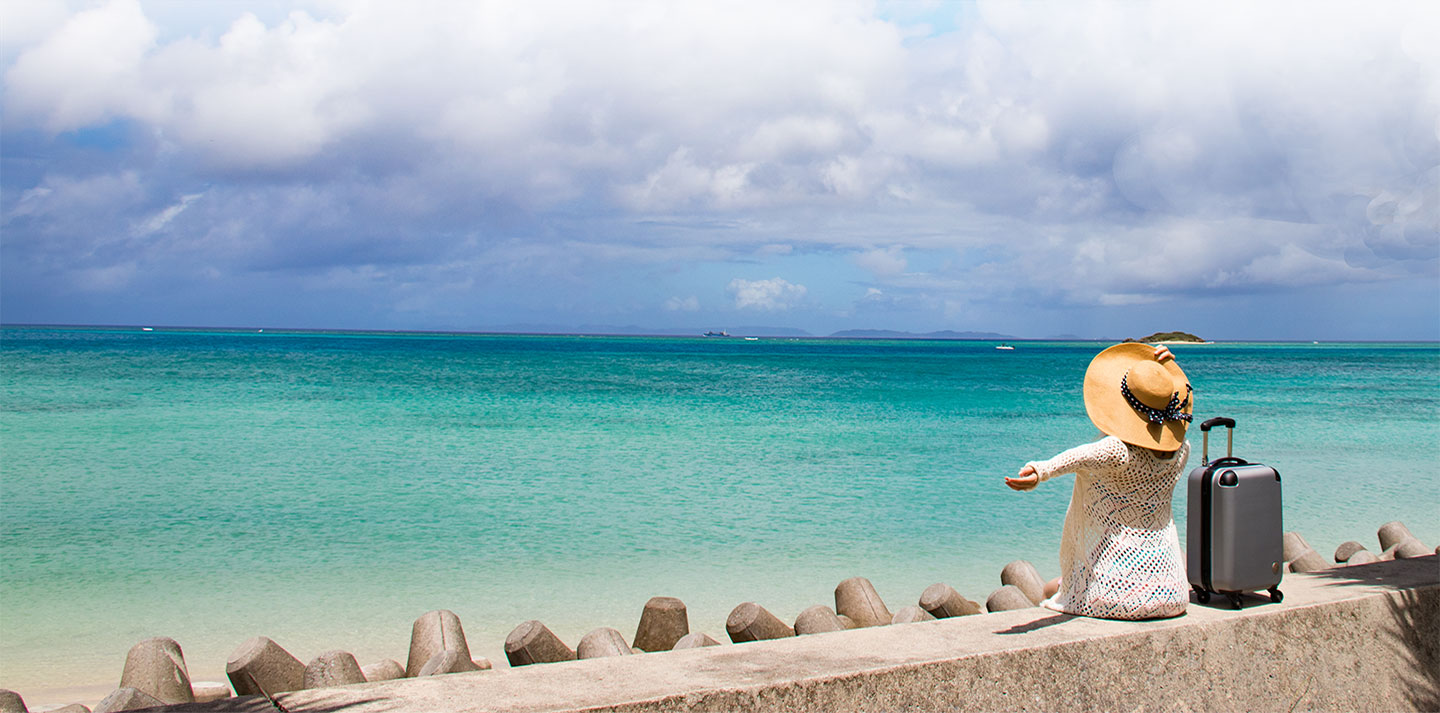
147,329
1006,347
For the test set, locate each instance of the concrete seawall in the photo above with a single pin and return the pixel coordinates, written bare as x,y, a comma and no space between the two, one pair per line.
1355,638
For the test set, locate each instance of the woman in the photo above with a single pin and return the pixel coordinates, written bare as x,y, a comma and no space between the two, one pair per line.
1119,553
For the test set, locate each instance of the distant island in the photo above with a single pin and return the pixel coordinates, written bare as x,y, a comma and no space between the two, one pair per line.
892,334
1170,338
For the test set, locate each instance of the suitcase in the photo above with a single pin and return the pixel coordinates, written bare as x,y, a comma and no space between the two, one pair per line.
1233,530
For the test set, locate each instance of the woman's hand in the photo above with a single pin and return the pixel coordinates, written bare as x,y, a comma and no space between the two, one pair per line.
1026,480
1162,353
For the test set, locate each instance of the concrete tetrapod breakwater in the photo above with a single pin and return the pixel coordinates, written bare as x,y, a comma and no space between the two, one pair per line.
1354,638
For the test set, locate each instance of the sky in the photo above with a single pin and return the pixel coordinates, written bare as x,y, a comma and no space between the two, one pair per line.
1097,169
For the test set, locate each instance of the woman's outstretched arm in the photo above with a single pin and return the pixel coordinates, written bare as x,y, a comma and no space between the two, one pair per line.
1104,454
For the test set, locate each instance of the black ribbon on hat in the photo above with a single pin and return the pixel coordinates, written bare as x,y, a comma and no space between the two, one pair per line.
1171,412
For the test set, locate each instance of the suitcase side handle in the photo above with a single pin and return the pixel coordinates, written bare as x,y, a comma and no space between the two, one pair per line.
1228,460
1217,421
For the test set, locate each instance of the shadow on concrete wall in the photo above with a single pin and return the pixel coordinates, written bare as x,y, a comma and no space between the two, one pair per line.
1037,624
1381,574
259,704
1416,623
1417,635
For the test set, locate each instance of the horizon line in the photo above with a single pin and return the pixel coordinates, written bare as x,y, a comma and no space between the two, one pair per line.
913,336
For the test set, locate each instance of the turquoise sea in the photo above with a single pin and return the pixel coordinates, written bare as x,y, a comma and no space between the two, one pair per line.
324,489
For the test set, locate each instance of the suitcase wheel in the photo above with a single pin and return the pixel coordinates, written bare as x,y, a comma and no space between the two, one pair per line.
1276,596
1235,600
1202,595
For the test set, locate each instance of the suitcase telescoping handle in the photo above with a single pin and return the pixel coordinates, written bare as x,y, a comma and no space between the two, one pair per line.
1229,424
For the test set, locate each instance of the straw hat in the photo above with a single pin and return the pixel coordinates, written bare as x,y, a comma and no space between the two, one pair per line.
1142,402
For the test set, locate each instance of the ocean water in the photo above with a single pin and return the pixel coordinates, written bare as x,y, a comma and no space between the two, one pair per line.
325,489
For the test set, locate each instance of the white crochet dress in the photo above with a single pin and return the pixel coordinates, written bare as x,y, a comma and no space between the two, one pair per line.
1119,554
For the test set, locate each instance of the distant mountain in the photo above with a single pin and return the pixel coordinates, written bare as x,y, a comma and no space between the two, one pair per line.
632,330
635,330
892,334
750,330
533,328
744,331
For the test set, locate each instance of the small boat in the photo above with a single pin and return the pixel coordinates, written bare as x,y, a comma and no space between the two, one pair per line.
1006,347
752,339
147,329
721,333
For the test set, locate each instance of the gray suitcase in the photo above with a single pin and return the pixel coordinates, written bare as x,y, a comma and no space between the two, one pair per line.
1234,529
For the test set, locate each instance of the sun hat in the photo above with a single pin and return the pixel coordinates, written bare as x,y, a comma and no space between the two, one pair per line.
1130,395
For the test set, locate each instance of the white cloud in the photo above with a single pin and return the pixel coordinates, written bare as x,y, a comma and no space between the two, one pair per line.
108,278
1111,299
64,200
774,294
163,218
28,23
775,249
683,304
883,262
875,298
87,71
682,182
1173,257
733,106
796,137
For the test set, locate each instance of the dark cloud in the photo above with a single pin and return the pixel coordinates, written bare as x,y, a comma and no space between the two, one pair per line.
408,168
